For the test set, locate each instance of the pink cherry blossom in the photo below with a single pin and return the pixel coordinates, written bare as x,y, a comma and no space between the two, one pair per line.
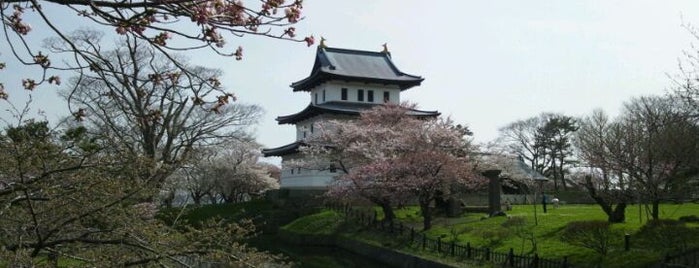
388,156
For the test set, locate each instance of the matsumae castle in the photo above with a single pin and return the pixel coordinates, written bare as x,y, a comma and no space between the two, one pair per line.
342,83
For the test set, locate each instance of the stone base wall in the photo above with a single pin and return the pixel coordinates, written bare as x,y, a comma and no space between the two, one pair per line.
387,256
383,255
570,197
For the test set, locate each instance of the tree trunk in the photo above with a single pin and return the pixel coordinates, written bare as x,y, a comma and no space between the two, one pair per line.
426,215
388,213
614,215
618,215
563,179
169,199
655,212
212,199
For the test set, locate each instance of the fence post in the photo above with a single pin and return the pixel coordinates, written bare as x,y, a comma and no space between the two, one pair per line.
565,262
487,254
511,257
376,217
391,226
439,244
424,241
468,250
453,247
536,261
412,234
400,228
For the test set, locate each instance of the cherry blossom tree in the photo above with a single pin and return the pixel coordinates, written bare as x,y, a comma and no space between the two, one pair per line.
167,26
651,148
227,173
388,156
64,198
237,174
661,148
686,86
599,143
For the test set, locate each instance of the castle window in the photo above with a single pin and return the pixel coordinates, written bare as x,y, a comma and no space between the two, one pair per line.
386,96
316,98
360,95
292,171
323,95
370,95
344,94
332,168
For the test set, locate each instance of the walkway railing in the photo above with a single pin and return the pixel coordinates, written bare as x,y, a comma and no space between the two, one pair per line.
689,258
453,249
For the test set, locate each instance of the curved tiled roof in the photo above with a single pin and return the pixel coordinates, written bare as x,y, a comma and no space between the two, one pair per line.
355,65
347,108
282,150
512,167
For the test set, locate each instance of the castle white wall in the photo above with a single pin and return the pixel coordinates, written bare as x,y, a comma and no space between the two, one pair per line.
313,125
333,92
304,178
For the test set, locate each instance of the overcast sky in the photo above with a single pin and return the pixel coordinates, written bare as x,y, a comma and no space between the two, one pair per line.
485,63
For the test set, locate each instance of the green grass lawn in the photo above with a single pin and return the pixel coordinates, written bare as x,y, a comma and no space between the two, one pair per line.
491,232
544,237
323,223
481,231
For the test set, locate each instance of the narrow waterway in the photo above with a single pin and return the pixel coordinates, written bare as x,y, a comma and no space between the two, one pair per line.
313,256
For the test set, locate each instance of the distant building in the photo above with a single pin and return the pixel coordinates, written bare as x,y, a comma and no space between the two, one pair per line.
517,176
342,83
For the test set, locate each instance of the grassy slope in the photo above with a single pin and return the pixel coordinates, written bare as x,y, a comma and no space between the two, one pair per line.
471,227
323,223
331,222
481,232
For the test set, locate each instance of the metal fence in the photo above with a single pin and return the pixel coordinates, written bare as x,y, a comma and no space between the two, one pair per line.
455,250
689,258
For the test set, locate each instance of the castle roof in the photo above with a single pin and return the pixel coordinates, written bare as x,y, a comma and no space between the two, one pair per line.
282,150
355,66
512,167
340,107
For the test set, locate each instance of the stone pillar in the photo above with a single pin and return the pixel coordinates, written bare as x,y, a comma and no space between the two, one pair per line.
454,208
494,188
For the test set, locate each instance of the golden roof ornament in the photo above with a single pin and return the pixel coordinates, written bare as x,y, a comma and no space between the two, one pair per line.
385,48
322,42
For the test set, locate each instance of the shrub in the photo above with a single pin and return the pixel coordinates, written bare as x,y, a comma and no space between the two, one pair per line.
517,221
667,234
494,237
595,235
690,218
518,225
